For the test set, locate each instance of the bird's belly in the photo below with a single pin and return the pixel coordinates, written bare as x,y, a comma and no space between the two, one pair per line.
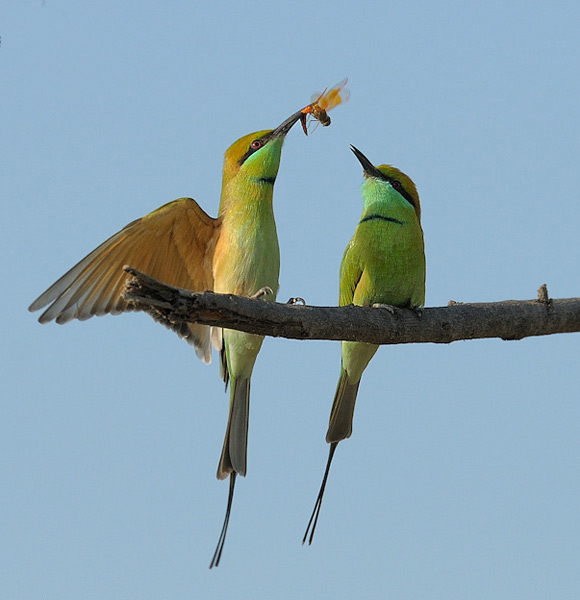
245,261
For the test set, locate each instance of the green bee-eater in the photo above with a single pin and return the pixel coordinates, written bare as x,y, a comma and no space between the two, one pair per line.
383,264
181,245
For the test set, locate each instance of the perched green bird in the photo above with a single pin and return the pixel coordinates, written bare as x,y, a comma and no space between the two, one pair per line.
383,266
179,244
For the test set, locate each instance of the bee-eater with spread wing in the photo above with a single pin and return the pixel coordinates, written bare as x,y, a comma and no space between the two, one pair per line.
383,264
179,244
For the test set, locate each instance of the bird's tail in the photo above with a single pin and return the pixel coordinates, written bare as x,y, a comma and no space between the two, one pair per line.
339,428
234,451
217,555
342,412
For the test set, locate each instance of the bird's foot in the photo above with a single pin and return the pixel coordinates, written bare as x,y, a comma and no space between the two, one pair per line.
388,307
295,301
265,291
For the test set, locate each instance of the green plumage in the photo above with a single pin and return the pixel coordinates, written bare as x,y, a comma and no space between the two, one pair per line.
246,262
384,263
247,259
181,245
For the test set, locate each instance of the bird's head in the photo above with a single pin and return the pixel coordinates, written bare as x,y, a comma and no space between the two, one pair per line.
391,176
256,156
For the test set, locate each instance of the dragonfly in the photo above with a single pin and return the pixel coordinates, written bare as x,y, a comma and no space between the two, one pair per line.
322,103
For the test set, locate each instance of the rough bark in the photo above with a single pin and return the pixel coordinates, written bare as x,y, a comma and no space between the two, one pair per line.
508,320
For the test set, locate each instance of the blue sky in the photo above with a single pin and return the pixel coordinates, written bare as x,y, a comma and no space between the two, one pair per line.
461,477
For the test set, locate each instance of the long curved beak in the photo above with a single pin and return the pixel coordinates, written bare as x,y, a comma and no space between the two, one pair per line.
369,170
286,126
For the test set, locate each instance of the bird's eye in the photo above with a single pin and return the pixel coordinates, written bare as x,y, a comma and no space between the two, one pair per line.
397,185
256,144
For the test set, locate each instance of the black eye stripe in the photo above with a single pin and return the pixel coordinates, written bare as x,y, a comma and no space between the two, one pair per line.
262,142
407,197
397,185
249,152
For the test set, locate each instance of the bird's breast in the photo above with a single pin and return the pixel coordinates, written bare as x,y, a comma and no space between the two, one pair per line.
247,255
393,262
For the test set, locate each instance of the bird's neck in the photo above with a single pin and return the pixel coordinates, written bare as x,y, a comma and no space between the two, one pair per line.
385,203
251,196
246,256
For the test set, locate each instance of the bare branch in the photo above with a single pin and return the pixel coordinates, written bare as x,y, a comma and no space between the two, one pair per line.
508,320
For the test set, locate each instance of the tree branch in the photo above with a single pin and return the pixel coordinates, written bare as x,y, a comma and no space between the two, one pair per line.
508,320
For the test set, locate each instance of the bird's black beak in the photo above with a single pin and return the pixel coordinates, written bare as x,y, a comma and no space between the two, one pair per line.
369,169
286,126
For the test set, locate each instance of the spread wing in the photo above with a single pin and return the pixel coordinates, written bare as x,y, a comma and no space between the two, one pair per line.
174,244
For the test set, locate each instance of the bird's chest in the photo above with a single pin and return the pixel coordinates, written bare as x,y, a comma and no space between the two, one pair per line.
393,269
247,256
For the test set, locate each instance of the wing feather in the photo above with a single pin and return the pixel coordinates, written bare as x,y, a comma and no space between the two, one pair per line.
350,273
174,244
